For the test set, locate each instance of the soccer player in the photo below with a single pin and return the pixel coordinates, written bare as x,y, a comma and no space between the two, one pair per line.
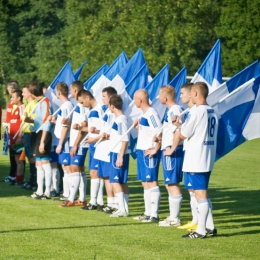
16,144
172,156
119,157
86,98
27,129
148,156
102,151
41,141
201,129
77,176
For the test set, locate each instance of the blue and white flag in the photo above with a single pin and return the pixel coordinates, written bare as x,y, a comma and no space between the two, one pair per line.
210,71
78,72
239,116
118,64
91,81
253,70
177,82
138,82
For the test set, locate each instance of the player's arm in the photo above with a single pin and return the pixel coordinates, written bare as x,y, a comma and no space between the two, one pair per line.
175,143
43,137
63,135
120,157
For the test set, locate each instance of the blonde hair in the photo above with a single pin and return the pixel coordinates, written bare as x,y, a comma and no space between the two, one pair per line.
169,91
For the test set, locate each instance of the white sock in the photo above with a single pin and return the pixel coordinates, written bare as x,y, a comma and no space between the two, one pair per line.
94,187
48,178
121,203
56,179
40,180
83,187
100,200
155,201
203,210
126,198
115,205
74,180
147,201
175,207
66,187
193,207
110,202
210,222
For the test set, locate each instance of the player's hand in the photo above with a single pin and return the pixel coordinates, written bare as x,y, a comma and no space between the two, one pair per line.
150,152
176,121
59,149
119,162
28,120
136,123
73,151
105,136
66,121
41,148
77,127
156,139
168,152
93,130
18,140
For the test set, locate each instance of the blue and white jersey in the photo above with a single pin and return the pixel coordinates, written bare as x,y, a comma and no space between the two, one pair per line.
102,149
188,114
79,115
119,129
200,128
149,126
168,131
64,111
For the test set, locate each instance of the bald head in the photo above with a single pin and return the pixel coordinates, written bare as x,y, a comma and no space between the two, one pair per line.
141,98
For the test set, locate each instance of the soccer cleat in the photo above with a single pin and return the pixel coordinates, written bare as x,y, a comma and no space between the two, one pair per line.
151,220
194,235
80,203
55,194
36,196
61,198
45,197
109,210
9,179
211,232
141,217
169,223
118,214
100,207
89,206
189,225
66,203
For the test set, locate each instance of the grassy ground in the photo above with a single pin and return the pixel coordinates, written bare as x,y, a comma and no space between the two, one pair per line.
31,229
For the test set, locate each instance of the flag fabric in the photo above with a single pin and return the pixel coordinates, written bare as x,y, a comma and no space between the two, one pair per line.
78,72
138,82
177,82
253,70
91,81
239,114
118,64
210,71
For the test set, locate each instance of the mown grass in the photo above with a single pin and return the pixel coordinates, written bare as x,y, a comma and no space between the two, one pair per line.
31,229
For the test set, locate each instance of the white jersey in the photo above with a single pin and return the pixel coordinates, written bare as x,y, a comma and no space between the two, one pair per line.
95,119
149,126
118,130
186,141
200,128
79,115
102,149
64,111
168,131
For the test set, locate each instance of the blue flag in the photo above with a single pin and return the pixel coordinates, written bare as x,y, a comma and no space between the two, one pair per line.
118,64
78,72
91,81
210,71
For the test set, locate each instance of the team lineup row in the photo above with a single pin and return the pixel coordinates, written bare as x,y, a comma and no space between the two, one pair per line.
185,142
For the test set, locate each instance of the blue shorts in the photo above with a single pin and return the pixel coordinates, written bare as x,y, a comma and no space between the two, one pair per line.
64,156
38,159
79,158
53,156
196,181
27,145
92,162
103,169
172,166
147,168
118,174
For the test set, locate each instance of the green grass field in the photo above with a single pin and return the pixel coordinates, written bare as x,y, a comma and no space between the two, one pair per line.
31,229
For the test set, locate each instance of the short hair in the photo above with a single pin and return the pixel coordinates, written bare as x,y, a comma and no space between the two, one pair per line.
13,85
169,90
84,93
110,91
187,86
35,88
77,85
63,88
202,87
19,94
116,101
26,86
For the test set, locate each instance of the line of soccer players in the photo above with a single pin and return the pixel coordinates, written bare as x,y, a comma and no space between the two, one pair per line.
183,143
